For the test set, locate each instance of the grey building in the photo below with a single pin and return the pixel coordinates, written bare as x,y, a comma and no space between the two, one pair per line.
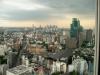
11,59
3,69
89,35
20,70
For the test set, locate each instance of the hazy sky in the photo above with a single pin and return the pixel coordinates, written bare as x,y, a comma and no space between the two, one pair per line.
23,13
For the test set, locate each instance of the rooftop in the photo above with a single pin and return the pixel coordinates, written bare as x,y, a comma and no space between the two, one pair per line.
62,54
19,69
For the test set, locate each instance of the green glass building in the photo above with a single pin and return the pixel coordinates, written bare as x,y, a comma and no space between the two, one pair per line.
75,28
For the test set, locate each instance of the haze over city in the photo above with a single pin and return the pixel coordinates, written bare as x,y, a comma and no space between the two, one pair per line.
47,37
25,13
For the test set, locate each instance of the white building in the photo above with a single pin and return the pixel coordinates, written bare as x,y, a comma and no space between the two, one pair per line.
25,61
3,69
3,49
19,70
80,65
58,66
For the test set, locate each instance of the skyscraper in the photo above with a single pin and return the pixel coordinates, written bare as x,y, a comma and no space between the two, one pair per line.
75,28
11,59
89,35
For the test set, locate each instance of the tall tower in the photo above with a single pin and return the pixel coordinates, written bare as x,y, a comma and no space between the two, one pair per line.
76,28
23,49
89,33
11,59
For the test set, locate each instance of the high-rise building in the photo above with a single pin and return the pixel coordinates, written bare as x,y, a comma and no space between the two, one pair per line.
81,38
11,59
89,35
75,28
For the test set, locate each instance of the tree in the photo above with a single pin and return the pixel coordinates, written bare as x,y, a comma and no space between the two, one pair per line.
86,53
74,73
70,60
84,44
3,60
57,73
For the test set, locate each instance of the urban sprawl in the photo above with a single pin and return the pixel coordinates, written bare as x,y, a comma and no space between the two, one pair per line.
47,50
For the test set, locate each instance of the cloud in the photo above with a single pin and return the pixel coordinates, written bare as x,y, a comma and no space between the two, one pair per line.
72,6
23,5
25,15
39,10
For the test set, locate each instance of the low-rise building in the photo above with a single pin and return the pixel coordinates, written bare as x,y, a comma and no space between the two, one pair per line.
58,62
20,70
3,49
36,49
71,43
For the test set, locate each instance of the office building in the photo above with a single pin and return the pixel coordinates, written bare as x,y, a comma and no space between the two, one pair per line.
75,28
11,59
89,35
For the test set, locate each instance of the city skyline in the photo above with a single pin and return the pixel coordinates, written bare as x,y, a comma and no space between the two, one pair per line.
47,37
25,13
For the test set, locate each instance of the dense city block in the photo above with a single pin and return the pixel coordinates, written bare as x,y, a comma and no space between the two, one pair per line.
48,50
